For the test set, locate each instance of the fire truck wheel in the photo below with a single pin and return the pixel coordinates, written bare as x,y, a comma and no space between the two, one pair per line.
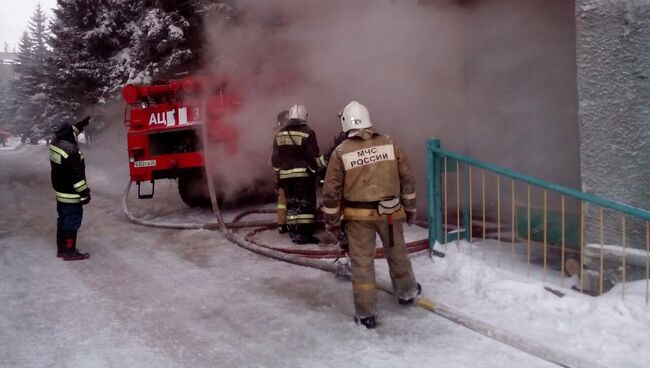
193,190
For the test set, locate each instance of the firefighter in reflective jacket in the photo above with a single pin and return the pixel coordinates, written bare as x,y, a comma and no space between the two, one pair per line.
296,161
369,177
69,183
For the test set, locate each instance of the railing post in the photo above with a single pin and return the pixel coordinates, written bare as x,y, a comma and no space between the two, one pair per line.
433,192
467,224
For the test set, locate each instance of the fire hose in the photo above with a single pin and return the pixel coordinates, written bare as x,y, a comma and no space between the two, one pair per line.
315,259
258,227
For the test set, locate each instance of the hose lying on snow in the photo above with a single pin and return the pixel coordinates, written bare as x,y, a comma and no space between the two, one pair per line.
536,349
192,226
275,254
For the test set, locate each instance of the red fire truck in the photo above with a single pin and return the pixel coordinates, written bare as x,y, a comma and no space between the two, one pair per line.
164,132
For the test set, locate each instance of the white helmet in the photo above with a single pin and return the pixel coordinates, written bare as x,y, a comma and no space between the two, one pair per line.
298,112
355,116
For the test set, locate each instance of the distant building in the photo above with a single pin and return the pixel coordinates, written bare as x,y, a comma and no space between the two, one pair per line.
7,62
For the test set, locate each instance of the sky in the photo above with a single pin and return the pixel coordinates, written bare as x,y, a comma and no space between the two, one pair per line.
14,16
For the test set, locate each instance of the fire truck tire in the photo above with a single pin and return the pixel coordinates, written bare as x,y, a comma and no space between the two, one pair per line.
194,190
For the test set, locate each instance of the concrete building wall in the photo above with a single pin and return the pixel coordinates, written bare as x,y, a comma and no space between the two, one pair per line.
520,85
512,99
613,54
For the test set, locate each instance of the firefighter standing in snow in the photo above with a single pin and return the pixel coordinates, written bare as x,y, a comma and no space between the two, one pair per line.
369,176
69,183
296,160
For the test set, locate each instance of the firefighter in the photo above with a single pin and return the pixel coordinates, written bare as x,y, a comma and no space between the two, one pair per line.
370,178
282,119
69,183
296,161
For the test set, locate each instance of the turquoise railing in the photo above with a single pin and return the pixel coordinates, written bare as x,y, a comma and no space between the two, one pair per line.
435,155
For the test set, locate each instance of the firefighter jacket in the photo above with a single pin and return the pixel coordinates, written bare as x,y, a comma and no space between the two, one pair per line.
337,140
295,152
366,168
68,169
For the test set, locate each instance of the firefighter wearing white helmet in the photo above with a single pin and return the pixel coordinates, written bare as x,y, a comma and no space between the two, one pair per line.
296,161
355,116
370,178
298,112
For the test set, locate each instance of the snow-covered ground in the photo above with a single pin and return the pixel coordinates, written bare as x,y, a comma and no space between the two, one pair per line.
168,298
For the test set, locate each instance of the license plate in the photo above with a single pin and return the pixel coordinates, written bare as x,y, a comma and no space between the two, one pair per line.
145,163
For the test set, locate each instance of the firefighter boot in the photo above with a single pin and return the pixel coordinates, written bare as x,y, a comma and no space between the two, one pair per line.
305,234
60,243
368,322
71,252
410,300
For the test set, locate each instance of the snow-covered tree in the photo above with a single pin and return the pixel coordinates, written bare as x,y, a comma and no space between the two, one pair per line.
101,45
6,123
165,38
83,40
28,92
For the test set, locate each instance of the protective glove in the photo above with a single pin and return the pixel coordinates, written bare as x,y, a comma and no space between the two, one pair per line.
86,196
84,123
411,215
86,200
331,235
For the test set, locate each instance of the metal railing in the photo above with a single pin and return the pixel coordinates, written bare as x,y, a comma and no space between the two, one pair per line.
466,201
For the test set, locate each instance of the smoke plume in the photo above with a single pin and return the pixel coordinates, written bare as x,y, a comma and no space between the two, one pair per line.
494,79
399,58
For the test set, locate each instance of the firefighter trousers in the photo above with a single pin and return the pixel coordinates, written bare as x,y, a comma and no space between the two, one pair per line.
69,217
301,206
362,236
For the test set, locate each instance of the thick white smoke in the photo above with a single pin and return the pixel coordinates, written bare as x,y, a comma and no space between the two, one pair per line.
400,58
494,78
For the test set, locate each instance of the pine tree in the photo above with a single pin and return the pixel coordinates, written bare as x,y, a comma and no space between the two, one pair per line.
6,121
22,87
82,43
27,105
98,46
165,38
